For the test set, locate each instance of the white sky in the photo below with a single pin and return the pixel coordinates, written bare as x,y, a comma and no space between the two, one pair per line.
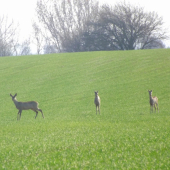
23,12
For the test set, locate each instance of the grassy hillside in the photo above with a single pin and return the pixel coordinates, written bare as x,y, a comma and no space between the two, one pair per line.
72,136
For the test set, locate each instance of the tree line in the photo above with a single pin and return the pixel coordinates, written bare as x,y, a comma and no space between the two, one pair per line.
85,25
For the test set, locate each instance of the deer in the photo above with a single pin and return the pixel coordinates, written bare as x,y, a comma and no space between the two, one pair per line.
33,105
153,102
97,102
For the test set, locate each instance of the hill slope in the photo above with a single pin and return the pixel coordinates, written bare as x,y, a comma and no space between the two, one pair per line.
125,135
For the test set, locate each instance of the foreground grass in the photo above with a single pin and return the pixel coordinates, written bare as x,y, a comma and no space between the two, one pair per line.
124,136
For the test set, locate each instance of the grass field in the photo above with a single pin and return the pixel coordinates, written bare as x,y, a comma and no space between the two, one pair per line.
72,136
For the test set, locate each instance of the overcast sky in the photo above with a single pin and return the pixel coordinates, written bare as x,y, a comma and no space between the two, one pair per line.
23,11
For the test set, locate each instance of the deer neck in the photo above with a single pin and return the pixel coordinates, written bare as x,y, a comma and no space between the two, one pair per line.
151,100
15,102
151,97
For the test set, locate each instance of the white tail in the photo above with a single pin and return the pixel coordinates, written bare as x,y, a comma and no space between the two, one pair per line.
97,101
153,102
33,105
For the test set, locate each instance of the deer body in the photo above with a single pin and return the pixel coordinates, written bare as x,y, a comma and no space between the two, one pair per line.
97,101
153,102
33,105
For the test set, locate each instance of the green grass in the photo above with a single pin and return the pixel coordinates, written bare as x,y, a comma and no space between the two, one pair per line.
72,136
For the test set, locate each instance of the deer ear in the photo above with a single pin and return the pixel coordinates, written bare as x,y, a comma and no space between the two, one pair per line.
15,94
10,94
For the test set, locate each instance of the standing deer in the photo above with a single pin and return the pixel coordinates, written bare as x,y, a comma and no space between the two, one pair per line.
153,102
33,105
97,101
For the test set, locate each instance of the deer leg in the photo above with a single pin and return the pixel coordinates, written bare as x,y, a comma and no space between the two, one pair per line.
157,108
36,114
20,114
99,109
152,108
96,110
41,112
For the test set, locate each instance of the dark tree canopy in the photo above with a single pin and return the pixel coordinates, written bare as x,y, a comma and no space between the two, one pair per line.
127,27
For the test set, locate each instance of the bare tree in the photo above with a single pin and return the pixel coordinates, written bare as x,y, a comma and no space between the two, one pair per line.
22,48
38,37
8,37
64,21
